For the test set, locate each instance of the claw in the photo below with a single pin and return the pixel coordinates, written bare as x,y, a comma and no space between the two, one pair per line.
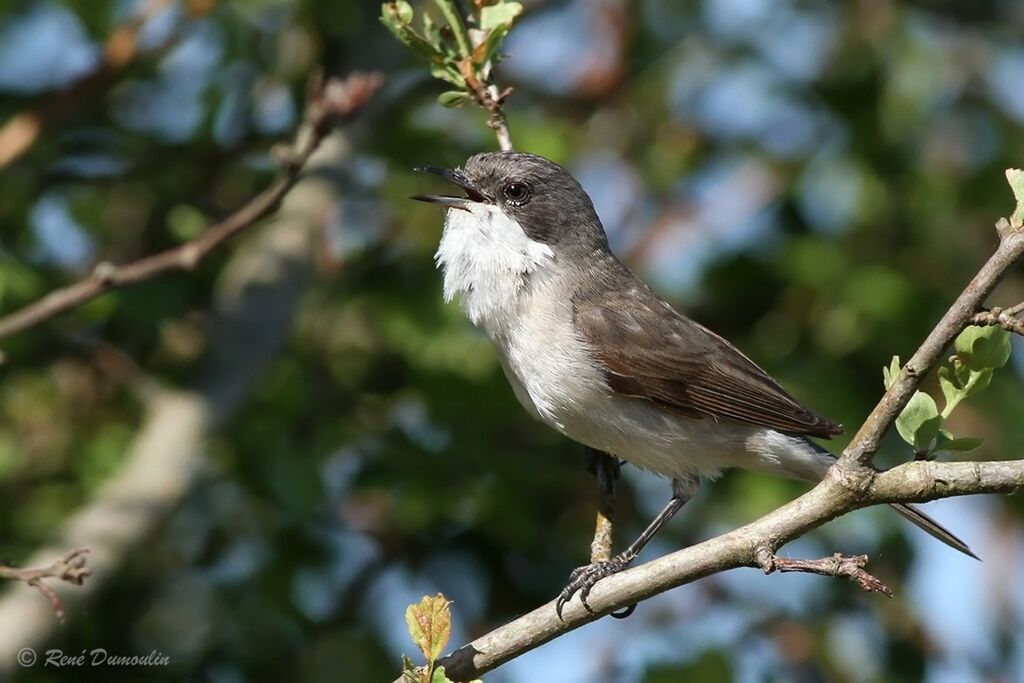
583,579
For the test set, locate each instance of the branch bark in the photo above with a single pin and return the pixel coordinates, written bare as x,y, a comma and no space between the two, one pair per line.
327,103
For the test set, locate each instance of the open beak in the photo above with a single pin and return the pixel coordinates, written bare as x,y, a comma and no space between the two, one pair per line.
458,178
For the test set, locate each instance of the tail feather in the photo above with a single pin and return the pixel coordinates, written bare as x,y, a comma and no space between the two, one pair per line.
913,515
933,528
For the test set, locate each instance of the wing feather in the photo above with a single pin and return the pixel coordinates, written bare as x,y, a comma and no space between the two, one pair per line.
650,351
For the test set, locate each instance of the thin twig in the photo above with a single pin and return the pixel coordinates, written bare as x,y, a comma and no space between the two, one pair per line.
327,102
838,565
488,96
1004,318
70,568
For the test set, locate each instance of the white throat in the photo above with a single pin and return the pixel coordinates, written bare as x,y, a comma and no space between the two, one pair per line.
486,258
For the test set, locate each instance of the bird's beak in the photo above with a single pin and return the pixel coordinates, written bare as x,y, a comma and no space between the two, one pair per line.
458,178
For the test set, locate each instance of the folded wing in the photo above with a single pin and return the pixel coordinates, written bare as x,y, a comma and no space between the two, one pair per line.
651,352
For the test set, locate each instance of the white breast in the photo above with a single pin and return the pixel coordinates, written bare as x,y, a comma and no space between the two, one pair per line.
486,257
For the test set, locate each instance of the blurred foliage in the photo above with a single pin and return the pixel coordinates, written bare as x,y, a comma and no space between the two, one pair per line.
813,180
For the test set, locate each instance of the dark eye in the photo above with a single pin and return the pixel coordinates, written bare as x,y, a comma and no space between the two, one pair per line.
516,193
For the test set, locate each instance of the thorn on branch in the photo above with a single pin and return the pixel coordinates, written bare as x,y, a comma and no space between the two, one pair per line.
838,565
70,568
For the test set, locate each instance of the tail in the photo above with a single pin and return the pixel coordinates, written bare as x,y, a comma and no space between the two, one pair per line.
933,528
825,459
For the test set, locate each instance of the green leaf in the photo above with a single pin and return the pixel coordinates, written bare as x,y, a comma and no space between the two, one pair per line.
441,677
431,32
1015,177
983,347
430,625
448,73
453,98
962,444
978,381
409,673
919,423
404,11
950,391
889,374
391,15
455,23
488,48
501,14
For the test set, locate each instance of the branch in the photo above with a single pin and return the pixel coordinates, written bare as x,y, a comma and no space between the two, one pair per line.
842,566
1004,318
868,438
849,485
327,103
70,568
487,95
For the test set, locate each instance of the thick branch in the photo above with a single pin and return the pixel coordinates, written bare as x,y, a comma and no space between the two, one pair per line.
326,104
923,480
70,568
842,491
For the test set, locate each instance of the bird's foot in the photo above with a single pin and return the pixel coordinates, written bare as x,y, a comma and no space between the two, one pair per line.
584,578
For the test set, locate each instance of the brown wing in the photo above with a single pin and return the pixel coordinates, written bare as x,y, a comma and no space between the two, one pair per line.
650,351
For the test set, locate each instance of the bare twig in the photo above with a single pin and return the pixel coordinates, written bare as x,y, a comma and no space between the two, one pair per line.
488,96
842,566
70,568
327,102
1004,318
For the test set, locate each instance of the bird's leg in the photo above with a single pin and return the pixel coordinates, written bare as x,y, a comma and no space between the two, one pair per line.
584,578
606,470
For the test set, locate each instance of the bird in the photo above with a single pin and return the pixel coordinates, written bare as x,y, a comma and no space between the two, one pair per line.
590,350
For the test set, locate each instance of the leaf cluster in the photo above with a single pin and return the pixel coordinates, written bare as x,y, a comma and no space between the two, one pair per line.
461,51
980,351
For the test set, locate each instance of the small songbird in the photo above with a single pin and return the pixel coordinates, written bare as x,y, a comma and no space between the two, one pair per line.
592,352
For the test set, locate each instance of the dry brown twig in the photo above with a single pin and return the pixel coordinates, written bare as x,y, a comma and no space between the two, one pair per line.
71,568
327,103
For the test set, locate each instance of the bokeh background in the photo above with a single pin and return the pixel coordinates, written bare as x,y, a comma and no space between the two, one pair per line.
272,456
